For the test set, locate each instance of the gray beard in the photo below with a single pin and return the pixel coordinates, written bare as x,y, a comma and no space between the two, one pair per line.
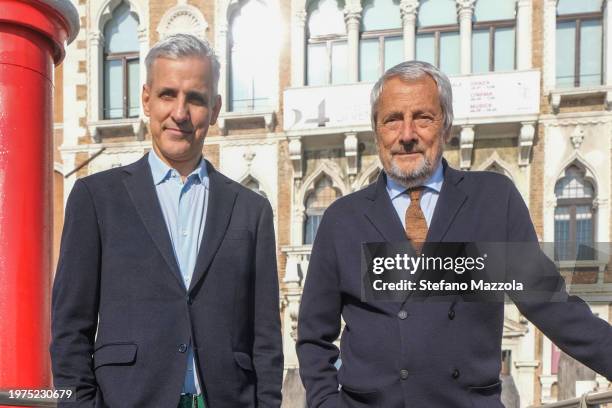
416,177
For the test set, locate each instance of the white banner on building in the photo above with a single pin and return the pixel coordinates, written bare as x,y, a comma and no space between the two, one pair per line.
474,96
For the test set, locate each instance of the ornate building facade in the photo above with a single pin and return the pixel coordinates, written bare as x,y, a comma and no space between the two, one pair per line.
532,81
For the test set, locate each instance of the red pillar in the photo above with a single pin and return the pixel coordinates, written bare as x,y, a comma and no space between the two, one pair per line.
32,38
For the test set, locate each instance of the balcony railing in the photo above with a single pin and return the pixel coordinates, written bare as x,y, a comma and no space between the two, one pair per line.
586,401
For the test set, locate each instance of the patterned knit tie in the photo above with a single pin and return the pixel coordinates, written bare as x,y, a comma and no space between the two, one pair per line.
416,225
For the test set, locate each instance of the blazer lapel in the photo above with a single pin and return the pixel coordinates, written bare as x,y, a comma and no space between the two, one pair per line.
451,199
382,215
220,206
381,212
142,193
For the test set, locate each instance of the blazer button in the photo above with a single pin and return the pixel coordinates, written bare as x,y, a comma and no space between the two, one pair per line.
451,314
402,314
404,374
182,348
456,374
189,300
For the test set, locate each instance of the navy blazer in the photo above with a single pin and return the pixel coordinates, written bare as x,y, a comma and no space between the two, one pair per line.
122,317
422,354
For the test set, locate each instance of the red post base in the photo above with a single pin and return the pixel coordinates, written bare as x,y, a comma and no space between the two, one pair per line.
32,36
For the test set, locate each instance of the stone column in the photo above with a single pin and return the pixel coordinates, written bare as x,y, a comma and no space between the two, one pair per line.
352,16
526,373
526,137
222,53
96,39
524,34
547,379
297,219
409,8
351,152
298,48
466,145
465,9
549,46
143,44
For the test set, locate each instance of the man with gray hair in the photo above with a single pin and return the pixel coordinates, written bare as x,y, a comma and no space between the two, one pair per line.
166,292
420,353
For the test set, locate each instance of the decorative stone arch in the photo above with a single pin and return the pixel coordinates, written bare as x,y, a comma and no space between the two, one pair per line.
364,177
263,187
589,172
103,15
183,18
225,12
305,4
325,169
600,229
495,160
233,6
550,199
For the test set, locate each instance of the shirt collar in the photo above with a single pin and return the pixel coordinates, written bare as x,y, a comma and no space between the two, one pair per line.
434,182
161,171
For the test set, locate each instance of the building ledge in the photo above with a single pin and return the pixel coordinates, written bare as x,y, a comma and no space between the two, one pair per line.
559,95
268,116
138,126
577,264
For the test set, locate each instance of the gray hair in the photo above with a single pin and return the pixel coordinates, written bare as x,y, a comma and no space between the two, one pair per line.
411,70
177,46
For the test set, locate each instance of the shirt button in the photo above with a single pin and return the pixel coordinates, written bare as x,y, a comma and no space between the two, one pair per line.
184,233
451,314
403,374
456,374
402,314
182,348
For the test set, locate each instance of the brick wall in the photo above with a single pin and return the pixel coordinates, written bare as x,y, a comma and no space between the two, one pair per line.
283,215
536,184
58,94
211,152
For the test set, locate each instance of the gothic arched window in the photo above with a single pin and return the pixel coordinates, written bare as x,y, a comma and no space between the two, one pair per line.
317,201
574,216
121,65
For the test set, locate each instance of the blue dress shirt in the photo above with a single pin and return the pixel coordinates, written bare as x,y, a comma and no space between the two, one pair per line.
429,198
184,207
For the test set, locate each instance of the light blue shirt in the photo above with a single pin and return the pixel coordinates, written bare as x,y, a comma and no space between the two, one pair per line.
184,206
429,197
